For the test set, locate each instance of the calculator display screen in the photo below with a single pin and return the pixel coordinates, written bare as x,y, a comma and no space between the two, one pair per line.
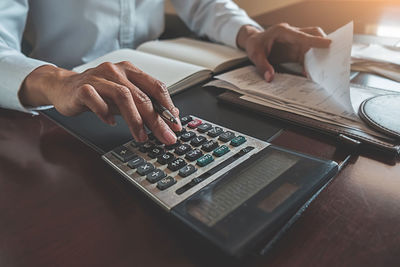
233,192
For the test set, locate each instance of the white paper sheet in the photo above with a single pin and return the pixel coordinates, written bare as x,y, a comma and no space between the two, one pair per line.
295,90
376,53
330,68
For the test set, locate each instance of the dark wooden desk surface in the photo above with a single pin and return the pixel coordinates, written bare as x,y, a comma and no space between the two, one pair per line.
60,205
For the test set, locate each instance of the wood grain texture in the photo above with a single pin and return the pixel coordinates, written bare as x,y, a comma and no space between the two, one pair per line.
60,205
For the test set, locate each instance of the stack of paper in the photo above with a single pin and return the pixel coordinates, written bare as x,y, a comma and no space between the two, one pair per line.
378,59
328,97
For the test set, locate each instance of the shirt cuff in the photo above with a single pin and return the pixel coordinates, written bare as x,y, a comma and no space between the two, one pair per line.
14,69
231,29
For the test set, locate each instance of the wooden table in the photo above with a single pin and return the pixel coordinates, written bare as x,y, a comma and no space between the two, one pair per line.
60,205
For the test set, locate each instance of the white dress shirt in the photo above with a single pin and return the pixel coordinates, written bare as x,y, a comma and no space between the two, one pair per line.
68,33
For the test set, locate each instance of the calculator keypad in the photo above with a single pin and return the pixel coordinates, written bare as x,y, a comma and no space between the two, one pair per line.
170,173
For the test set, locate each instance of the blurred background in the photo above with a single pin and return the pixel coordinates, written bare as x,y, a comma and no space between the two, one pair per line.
257,7
373,17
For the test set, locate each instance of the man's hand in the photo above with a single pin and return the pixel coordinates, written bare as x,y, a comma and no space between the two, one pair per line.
277,44
106,90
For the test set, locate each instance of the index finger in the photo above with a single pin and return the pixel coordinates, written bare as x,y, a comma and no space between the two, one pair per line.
153,88
315,41
297,36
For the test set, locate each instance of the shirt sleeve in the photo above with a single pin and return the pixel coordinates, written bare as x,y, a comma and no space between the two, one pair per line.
219,20
14,66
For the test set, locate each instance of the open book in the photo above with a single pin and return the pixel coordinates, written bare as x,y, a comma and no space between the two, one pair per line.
326,102
179,63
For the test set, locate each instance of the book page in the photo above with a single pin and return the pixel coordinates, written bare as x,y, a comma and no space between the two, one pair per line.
292,89
353,125
167,70
330,67
205,54
358,94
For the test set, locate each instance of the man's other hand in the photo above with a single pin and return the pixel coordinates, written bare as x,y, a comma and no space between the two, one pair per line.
278,44
106,90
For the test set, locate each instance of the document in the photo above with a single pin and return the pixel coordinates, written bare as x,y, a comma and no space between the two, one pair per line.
328,97
376,53
291,89
299,96
330,68
377,59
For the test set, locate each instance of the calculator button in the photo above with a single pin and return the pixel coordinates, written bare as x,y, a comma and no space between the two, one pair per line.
158,142
220,151
154,139
165,183
180,132
193,154
135,144
187,136
204,127
245,150
182,149
176,164
146,147
198,141
205,160
185,120
238,140
226,136
145,168
134,163
187,170
151,136
170,147
194,123
155,152
165,158
214,132
155,176
210,146
123,154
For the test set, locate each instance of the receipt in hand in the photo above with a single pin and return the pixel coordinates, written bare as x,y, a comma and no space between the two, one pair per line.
330,68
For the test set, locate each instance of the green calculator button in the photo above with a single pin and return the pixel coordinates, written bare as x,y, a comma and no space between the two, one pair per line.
205,160
238,140
220,151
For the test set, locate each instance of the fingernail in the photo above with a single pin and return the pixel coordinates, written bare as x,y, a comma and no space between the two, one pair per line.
142,136
169,137
111,121
267,76
175,111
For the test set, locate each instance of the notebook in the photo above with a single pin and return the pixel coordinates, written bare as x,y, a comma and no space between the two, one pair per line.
179,63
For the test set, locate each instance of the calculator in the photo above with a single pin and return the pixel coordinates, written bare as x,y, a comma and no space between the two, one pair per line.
233,189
